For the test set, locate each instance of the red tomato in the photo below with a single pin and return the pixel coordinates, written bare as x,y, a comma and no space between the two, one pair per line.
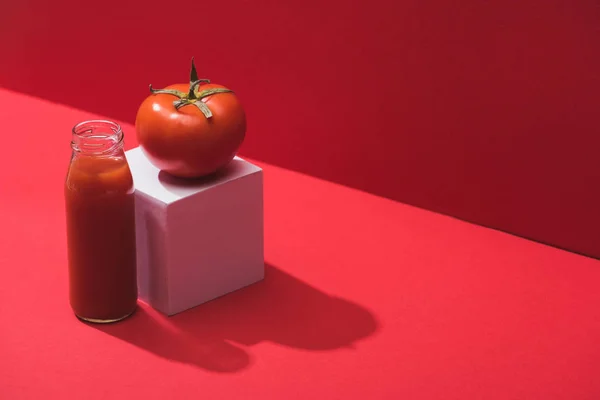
191,130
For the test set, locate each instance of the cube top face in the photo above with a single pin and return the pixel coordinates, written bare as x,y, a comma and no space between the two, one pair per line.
168,189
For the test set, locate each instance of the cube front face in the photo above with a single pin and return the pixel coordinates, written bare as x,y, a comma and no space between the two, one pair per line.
201,245
218,247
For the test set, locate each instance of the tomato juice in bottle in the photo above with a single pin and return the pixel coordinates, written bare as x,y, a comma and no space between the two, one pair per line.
100,211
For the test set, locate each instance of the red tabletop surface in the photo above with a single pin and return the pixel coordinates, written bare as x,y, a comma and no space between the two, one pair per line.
363,297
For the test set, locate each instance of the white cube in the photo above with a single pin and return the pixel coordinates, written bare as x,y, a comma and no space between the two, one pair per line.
196,239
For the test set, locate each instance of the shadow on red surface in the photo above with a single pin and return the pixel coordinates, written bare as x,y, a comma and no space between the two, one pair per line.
280,309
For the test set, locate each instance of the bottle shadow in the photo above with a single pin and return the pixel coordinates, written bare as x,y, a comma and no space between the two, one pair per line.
281,309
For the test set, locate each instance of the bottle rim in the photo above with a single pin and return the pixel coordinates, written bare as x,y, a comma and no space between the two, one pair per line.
83,132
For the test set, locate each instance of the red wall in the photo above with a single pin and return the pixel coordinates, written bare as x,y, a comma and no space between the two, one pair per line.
485,110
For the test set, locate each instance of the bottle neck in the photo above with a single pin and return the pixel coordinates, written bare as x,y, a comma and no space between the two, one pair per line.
97,138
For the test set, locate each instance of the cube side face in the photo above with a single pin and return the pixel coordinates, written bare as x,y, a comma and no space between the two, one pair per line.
151,248
216,242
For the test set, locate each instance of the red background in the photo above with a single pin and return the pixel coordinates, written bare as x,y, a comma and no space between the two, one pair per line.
484,110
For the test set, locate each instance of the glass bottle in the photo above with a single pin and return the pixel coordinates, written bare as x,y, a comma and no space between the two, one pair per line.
99,199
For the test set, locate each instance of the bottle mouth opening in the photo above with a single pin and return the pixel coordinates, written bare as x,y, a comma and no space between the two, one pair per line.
97,137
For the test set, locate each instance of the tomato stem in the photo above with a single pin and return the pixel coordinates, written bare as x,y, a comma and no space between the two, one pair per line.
193,96
193,73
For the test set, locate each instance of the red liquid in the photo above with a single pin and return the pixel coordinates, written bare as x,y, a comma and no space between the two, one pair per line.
101,238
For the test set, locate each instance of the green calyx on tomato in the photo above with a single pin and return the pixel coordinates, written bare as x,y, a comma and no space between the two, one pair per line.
194,95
